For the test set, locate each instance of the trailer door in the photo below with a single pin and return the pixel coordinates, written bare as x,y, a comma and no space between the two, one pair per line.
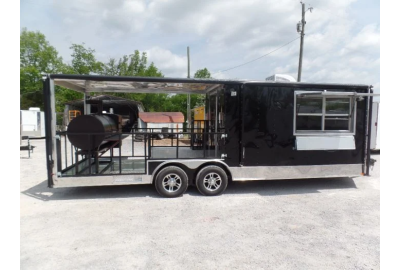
231,145
251,150
267,126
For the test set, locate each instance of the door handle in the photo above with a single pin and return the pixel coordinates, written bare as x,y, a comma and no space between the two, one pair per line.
244,151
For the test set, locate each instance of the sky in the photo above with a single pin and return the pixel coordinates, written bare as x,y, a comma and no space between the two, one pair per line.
341,44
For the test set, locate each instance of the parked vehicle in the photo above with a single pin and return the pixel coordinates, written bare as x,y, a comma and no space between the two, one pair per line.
253,130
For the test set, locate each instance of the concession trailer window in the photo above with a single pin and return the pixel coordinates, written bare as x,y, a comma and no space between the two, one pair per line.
324,120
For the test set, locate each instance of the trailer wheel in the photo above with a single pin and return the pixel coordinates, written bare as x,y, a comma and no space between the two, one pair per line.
171,182
211,181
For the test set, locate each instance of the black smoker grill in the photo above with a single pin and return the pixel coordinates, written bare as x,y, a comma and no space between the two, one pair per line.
91,132
94,135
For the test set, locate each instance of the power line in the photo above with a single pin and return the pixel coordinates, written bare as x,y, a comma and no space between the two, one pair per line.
257,57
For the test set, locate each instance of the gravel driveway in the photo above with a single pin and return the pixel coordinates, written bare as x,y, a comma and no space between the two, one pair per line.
287,224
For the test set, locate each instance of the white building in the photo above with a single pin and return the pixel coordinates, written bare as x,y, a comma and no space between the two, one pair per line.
280,78
159,120
32,123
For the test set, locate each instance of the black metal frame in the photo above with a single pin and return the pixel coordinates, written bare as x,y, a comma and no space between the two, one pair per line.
48,119
148,144
369,134
27,147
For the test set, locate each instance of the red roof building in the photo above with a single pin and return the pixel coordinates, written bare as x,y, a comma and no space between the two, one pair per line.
162,117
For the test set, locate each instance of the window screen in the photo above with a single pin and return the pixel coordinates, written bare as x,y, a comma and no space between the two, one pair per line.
324,114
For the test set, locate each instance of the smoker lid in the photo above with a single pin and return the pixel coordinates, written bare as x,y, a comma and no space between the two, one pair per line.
88,131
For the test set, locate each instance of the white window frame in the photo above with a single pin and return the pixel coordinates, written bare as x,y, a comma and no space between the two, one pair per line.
326,95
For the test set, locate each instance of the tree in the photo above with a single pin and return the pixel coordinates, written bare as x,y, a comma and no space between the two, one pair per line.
198,100
132,65
136,65
36,56
84,61
203,73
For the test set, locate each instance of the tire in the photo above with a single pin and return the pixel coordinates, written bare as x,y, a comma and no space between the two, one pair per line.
211,181
171,182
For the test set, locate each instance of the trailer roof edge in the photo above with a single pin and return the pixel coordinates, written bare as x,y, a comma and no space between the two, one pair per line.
192,80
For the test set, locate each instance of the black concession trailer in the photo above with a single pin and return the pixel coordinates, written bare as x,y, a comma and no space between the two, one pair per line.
254,130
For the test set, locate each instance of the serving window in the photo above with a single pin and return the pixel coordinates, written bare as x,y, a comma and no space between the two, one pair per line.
324,120
323,114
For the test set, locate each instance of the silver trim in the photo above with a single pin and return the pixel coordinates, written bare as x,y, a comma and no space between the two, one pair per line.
336,94
368,95
294,172
171,181
325,143
212,181
103,180
324,95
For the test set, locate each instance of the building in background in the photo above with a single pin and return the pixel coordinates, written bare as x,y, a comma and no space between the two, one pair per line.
280,78
32,123
161,121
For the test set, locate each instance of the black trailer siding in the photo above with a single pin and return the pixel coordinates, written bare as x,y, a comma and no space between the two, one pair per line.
232,124
267,129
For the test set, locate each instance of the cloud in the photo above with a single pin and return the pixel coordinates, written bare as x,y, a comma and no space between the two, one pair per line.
366,41
247,23
110,18
171,64
341,44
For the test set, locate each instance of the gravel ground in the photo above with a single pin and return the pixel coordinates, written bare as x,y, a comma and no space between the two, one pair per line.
290,224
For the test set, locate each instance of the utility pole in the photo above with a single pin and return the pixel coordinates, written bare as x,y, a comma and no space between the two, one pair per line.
300,28
189,115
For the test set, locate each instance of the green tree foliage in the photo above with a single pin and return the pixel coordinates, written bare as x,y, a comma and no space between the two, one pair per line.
84,61
199,100
131,65
36,56
203,73
136,65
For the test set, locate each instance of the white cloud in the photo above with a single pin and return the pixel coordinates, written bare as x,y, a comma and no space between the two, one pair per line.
221,34
169,63
111,18
366,41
